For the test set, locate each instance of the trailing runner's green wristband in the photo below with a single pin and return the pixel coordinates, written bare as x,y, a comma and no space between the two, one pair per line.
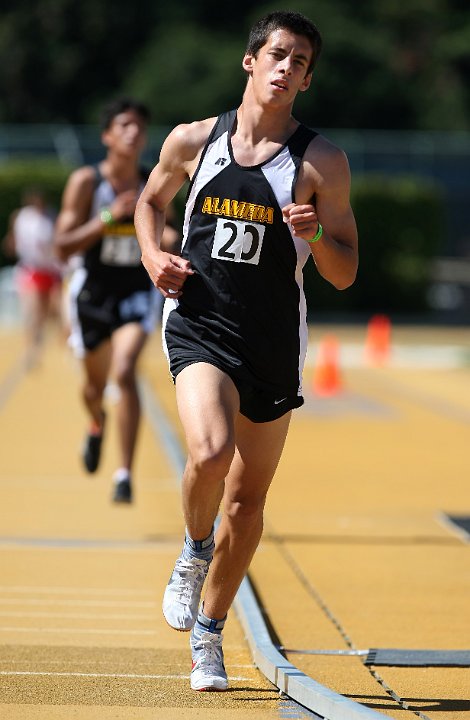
318,235
106,216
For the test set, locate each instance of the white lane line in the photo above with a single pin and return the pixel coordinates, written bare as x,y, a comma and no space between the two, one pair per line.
127,676
69,484
153,546
63,590
76,631
78,616
7,663
82,603
81,545
133,676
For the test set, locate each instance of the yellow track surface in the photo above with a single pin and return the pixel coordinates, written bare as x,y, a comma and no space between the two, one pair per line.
355,553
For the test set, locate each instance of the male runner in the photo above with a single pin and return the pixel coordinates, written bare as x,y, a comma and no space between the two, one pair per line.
265,193
115,305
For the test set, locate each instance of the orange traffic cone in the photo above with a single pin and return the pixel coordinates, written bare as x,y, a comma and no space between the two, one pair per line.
326,377
377,350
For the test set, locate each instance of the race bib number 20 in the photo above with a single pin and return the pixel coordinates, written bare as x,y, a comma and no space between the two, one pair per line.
238,241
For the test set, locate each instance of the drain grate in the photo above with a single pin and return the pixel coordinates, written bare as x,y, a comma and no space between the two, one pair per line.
460,523
418,658
396,657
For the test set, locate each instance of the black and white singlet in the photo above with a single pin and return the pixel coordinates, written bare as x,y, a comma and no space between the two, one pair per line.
244,309
112,287
114,260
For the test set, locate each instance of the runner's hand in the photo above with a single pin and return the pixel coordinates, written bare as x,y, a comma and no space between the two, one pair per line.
168,272
123,205
302,219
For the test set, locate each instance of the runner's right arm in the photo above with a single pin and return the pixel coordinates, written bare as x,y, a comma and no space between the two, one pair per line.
178,157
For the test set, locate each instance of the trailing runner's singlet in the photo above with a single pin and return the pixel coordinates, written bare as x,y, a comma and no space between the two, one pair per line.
244,308
114,261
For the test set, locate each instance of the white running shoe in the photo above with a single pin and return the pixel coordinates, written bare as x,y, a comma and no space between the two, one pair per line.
208,670
183,592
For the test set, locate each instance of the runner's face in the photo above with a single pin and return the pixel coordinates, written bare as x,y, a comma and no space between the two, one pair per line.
127,133
279,71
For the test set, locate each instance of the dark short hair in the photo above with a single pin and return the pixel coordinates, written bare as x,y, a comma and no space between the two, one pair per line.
120,105
285,20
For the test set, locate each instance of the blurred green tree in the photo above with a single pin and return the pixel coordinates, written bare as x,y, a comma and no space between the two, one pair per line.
58,58
187,83
384,65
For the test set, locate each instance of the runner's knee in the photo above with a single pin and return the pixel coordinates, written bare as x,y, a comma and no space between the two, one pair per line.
209,459
124,374
93,390
245,509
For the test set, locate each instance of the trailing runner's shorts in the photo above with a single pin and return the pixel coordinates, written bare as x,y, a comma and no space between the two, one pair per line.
97,311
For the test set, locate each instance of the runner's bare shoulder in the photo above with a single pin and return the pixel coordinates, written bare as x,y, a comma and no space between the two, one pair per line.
188,139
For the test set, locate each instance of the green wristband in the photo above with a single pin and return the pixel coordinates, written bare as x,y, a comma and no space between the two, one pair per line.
318,235
106,216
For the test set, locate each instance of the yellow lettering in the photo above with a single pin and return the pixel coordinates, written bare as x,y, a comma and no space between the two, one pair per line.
258,211
238,209
224,209
268,215
120,229
241,210
207,205
249,211
234,208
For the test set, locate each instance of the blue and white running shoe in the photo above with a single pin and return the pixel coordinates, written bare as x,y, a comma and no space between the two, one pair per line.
183,592
208,670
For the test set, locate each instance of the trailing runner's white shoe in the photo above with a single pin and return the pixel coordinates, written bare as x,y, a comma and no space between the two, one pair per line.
208,670
183,592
